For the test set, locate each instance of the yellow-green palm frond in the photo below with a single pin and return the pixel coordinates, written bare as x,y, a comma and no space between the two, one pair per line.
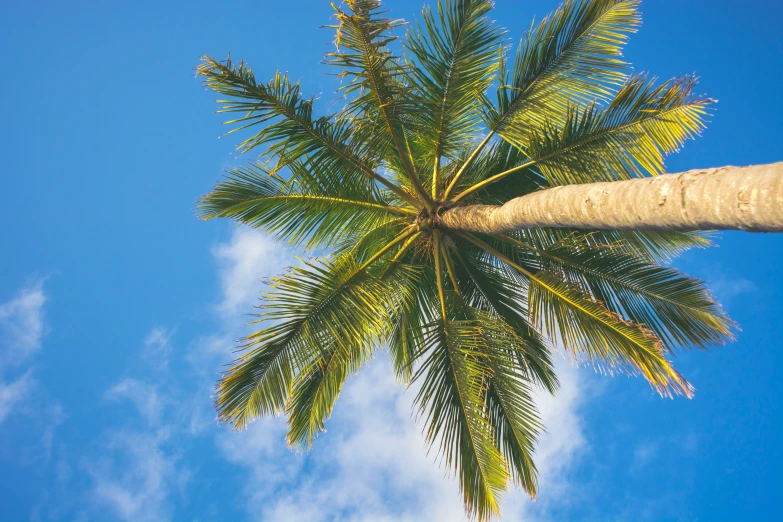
590,331
377,86
453,377
309,209
677,308
326,304
454,50
475,321
572,56
628,139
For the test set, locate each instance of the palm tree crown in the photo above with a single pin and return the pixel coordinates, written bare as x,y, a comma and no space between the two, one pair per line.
452,120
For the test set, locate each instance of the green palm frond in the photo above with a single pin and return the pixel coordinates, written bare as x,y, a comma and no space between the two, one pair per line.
512,411
677,308
290,130
474,322
628,139
406,342
484,288
377,78
586,328
451,403
655,245
572,56
310,309
455,50
610,343
315,390
305,209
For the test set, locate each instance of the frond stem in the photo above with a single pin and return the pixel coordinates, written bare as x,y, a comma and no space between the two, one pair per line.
606,132
439,272
450,270
402,250
405,154
326,199
468,162
402,237
496,177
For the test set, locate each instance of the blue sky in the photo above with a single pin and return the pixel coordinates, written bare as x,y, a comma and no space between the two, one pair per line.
117,307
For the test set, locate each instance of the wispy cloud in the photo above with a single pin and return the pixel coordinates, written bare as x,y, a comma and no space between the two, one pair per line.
135,476
14,392
157,348
22,325
372,463
243,264
143,395
137,471
22,329
137,467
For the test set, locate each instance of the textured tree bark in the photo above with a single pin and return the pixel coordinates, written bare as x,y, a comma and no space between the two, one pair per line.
725,198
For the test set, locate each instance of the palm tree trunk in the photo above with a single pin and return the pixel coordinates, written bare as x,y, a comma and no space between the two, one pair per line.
727,198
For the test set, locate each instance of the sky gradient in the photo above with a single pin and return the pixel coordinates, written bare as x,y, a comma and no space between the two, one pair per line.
118,307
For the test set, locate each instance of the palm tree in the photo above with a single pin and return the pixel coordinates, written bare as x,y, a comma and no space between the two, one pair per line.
390,188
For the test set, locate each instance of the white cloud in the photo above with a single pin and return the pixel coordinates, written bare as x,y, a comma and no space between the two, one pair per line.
144,396
22,325
136,471
21,331
136,476
644,453
727,288
372,463
244,262
13,393
157,348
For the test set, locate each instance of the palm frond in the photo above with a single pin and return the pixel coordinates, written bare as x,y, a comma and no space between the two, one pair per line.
290,128
377,78
512,412
587,329
455,51
628,139
325,303
307,209
451,402
406,342
485,289
677,308
572,56
655,246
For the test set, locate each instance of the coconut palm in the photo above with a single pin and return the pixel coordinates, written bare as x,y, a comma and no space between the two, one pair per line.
470,314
